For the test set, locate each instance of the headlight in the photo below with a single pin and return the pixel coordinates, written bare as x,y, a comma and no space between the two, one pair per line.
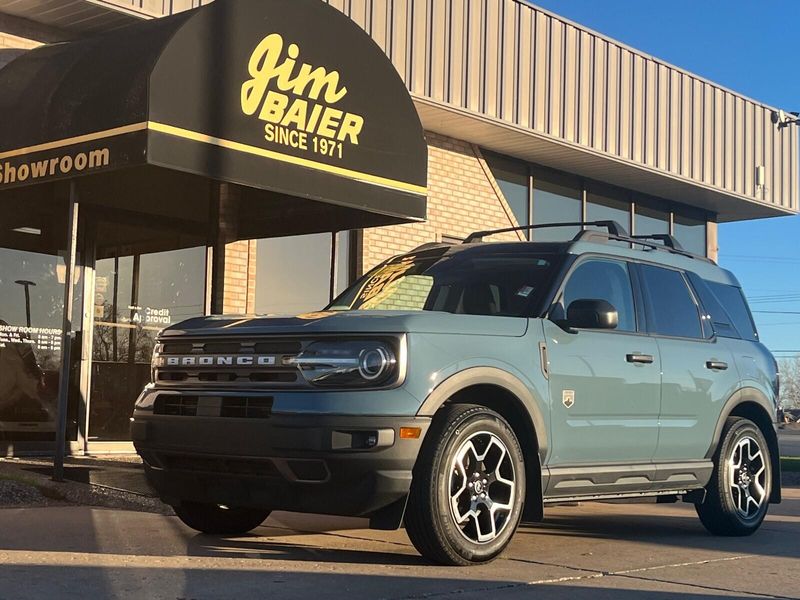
351,363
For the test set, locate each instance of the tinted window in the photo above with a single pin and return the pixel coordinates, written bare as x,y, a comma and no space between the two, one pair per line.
512,179
471,283
556,199
649,220
603,280
691,233
671,308
721,321
733,301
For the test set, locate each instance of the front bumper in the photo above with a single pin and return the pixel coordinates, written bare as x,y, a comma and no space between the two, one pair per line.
328,464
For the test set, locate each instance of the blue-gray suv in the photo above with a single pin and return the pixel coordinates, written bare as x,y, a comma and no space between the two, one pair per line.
460,389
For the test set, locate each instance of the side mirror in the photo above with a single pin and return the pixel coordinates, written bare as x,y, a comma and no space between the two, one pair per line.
592,314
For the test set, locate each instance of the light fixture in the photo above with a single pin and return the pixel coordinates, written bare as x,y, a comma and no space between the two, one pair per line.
28,230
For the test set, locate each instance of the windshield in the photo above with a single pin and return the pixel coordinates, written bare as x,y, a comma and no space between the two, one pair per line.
502,284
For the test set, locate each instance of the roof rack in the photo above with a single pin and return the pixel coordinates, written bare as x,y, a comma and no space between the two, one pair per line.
616,232
613,228
667,239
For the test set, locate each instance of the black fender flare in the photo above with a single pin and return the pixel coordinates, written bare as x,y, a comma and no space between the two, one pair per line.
753,396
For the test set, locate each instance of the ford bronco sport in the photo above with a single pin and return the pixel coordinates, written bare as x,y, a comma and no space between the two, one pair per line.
462,388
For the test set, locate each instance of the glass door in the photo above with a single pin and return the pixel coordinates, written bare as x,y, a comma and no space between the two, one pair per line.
32,276
135,296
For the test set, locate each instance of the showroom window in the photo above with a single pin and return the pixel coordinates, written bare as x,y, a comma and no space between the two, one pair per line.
293,273
556,198
559,197
513,179
690,232
650,219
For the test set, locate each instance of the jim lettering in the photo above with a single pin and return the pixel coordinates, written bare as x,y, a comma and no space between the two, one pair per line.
296,100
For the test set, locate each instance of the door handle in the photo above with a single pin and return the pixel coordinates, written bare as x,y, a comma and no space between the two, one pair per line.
644,359
716,365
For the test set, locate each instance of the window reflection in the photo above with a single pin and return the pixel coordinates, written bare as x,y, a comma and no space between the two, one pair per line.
555,199
136,296
691,233
513,180
293,273
650,220
32,276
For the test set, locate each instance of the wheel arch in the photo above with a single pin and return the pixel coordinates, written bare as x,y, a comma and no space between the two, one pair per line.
505,394
752,404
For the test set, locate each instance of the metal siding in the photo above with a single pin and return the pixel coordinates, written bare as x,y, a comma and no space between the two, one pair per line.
738,146
748,147
474,42
625,91
512,62
571,84
525,68
585,84
541,72
697,130
456,52
651,113
600,80
509,57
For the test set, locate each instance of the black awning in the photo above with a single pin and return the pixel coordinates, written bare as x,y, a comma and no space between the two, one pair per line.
289,96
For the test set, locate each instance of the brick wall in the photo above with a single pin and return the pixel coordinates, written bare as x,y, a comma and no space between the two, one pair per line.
462,197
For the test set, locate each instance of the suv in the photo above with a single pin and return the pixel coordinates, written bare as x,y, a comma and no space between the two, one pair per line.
462,388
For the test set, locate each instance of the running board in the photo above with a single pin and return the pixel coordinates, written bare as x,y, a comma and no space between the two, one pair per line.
619,496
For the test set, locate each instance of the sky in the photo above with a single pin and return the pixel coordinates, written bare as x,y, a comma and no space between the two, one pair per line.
753,48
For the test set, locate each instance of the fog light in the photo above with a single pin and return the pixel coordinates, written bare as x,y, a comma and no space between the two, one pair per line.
410,433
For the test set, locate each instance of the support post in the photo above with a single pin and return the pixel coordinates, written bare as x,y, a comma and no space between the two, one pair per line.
67,334
334,265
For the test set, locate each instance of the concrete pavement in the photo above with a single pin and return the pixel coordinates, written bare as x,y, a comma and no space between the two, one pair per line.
595,550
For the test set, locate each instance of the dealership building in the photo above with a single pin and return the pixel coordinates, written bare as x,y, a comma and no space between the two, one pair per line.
257,156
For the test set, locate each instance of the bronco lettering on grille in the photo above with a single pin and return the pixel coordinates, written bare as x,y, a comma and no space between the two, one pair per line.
245,360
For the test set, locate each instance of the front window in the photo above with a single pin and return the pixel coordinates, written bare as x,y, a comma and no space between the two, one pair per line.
468,282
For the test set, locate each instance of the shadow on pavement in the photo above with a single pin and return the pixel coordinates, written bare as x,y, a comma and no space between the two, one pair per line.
23,581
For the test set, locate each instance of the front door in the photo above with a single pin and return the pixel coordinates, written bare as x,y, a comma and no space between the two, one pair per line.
136,295
604,389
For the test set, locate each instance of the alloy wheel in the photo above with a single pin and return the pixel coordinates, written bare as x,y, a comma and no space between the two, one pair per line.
482,487
747,477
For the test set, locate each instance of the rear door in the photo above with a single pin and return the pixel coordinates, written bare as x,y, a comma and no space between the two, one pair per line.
698,373
604,388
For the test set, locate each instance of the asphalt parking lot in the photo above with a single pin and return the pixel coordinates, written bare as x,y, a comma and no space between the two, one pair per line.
589,551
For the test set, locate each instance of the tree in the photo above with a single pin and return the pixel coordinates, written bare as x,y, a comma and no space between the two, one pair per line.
789,369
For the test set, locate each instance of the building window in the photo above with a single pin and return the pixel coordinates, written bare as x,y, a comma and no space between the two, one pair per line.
556,199
690,232
605,204
293,273
650,220
513,180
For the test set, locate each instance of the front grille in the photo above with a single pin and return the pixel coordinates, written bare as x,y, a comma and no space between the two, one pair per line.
240,407
215,363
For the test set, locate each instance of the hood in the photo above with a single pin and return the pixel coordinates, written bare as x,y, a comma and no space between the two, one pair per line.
342,322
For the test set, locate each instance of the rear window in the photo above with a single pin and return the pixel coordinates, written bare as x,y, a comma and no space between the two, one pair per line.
732,300
727,307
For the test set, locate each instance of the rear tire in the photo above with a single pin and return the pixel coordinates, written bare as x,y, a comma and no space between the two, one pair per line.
468,487
737,496
217,520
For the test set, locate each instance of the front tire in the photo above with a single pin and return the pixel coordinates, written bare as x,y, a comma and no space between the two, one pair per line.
738,494
218,520
468,487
